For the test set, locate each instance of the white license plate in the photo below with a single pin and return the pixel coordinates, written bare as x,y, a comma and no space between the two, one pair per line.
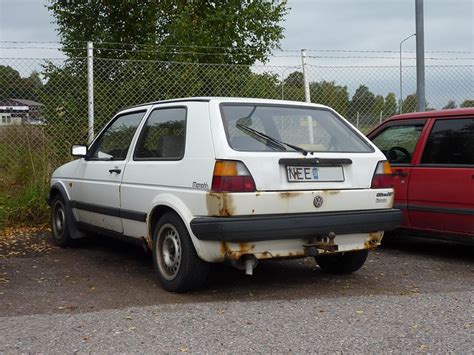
314,173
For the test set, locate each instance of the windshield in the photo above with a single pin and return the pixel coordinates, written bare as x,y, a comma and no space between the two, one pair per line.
312,129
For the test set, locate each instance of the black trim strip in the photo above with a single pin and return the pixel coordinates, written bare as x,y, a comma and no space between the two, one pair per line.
294,225
314,161
466,211
110,233
400,206
169,102
110,211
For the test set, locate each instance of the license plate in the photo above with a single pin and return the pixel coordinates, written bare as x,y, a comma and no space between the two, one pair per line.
314,173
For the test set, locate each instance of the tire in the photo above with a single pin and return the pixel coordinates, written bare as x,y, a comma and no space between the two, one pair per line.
342,263
178,266
60,222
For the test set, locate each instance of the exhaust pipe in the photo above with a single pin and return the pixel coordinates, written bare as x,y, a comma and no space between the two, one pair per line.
249,265
246,262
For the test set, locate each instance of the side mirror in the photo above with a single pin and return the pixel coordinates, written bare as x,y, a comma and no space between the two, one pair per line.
79,150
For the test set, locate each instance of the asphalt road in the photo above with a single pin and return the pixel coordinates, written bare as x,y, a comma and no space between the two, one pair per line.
412,295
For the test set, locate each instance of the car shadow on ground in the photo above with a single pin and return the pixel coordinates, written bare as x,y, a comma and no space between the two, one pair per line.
298,278
103,273
426,245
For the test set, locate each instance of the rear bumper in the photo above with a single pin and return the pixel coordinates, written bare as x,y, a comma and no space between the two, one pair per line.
294,226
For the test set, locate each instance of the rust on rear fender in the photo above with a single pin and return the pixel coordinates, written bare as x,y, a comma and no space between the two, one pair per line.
231,252
219,204
235,254
374,240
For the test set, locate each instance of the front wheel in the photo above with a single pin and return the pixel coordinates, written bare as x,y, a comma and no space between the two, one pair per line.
176,261
342,263
60,222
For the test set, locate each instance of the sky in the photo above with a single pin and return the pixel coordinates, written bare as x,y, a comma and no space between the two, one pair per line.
312,24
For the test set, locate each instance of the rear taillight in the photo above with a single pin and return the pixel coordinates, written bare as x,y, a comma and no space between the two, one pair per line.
383,177
232,176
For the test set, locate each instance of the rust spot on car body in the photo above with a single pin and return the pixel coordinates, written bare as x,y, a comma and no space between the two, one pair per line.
70,184
330,192
234,253
147,241
374,240
219,204
289,194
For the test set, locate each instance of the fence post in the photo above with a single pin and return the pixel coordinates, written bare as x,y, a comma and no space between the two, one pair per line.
305,76
307,95
357,120
90,91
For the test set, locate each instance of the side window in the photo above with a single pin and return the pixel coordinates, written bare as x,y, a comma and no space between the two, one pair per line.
163,135
450,142
398,142
114,142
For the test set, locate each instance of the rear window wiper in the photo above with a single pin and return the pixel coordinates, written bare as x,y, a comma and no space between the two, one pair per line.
275,142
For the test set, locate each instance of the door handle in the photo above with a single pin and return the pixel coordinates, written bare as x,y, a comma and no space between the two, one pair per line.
400,173
115,170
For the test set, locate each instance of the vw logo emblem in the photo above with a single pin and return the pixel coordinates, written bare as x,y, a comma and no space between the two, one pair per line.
318,201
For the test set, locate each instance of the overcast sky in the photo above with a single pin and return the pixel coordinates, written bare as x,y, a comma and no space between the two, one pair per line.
311,24
318,24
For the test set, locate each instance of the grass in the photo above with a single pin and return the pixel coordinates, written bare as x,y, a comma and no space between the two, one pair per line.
25,167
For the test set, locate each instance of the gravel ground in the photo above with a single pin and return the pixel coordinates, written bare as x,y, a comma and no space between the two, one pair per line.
412,295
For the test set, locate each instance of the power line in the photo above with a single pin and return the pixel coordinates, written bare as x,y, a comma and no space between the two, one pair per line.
144,45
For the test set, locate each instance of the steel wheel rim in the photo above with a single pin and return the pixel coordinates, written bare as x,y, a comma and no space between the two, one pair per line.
59,220
169,251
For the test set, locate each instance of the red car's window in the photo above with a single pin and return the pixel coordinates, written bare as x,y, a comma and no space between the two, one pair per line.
450,142
398,142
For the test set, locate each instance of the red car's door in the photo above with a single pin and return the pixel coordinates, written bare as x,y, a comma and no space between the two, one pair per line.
441,189
398,140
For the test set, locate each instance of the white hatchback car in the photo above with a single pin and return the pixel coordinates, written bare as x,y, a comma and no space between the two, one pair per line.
206,180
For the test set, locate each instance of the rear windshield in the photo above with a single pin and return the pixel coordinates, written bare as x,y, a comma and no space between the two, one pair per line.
313,129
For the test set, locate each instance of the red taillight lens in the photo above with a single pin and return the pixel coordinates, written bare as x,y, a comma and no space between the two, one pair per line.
383,177
232,176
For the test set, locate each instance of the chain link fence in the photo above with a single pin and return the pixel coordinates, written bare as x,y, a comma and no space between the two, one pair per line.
44,102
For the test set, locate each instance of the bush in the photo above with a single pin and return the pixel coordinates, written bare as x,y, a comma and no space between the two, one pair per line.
25,168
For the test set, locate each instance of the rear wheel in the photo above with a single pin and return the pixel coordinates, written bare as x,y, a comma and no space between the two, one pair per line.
176,261
342,263
60,222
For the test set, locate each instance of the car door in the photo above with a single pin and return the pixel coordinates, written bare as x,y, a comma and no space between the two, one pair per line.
97,200
157,165
441,189
398,140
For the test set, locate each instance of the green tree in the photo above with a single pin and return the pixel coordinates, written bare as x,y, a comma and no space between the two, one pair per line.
409,104
450,104
378,106
330,94
390,105
467,103
13,86
225,31
362,102
292,87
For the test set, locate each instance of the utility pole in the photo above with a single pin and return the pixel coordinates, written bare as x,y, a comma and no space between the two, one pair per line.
90,91
420,57
400,102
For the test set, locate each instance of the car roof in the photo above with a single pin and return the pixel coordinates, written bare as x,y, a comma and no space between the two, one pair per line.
431,114
229,99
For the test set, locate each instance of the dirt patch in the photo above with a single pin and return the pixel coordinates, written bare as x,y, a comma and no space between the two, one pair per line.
19,242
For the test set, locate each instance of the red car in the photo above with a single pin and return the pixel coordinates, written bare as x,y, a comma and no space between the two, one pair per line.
432,158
